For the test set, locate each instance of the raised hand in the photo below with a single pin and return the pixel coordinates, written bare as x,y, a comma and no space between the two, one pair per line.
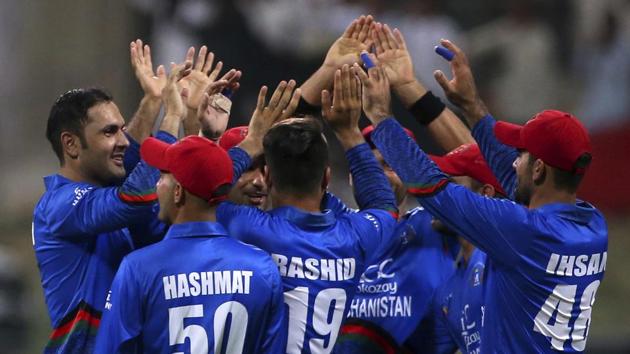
355,39
203,74
213,112
343,110
281,106
151,82
376,92
171,94
392,53
461,89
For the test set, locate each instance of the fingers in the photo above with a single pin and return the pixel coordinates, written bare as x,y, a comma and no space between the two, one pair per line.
326,104
161,72
380,33
293,103
357,27
190,54
208,63
363,77
216,87
350,29
277,94
364,31
262,95
442,80
460,57
215,73
400,39
147,56
201,58
285,98
345,82
391,41
337,89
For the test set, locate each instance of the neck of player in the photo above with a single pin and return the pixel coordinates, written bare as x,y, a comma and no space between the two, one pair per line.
310,203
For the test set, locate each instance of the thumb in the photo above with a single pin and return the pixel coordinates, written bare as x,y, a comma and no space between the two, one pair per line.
161,71
443,81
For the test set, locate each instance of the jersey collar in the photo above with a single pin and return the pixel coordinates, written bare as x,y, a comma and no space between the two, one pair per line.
195,229
580,212
304,219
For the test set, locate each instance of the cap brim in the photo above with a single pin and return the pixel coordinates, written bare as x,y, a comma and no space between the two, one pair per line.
509,134
153,152
446,165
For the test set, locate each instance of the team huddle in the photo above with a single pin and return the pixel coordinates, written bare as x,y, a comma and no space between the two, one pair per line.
195,238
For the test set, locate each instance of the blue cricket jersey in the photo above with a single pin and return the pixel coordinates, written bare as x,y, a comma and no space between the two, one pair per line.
457,309
81,232
197,291
320,255
545,264
395,292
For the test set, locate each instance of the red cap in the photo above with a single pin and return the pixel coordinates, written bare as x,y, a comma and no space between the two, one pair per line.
557,138
198,164
467,160
367,135
232,137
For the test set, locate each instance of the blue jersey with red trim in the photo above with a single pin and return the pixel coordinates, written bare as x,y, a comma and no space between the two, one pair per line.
545,264
81,232
457,309
320,255
197,291
395,291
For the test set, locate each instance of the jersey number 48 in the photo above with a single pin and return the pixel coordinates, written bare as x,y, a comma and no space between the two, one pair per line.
561,303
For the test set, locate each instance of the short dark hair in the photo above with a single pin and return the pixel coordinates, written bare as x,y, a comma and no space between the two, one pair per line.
69,113
569,180
297,155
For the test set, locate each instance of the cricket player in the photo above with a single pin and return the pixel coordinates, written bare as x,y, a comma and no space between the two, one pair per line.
250,188
198,290
456,310
546,256
91,215
394,293
320,254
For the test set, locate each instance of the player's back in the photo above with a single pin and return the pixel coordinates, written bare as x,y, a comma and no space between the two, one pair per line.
198,294
541,298
395,292
320,257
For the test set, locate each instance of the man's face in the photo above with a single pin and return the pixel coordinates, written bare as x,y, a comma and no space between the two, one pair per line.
101,159
397,185
165,190
525,184
250,189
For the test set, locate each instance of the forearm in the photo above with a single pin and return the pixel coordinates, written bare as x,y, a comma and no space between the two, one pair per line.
449,131
321,80
372,189
141,124
409,93
241,160
443,125
349,138
170,124
500,157
191,123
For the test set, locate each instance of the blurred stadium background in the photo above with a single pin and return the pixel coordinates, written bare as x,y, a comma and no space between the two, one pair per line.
572,55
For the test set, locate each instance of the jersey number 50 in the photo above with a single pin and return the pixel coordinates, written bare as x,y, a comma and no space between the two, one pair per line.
177,332
561,302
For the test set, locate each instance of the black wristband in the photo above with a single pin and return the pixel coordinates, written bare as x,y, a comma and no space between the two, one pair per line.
427,108
305,108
